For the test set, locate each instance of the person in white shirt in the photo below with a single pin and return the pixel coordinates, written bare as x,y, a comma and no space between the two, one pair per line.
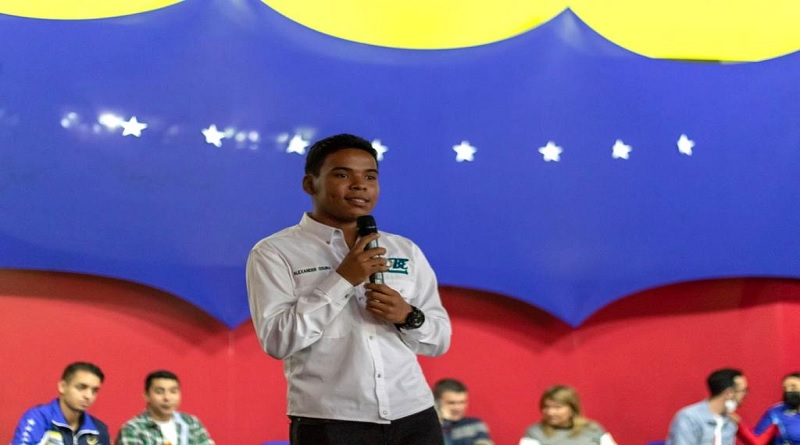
349,346
563,423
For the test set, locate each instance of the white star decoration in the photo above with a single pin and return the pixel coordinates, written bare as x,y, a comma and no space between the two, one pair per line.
380,148
551,152
685,145
297,145
213,135
132,127
620,150
464,151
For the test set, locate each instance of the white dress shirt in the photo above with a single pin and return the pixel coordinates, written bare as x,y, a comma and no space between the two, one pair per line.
340,361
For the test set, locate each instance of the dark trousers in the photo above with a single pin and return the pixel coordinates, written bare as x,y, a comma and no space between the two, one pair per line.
422,428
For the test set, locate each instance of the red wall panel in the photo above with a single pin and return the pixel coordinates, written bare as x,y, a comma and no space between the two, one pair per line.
635,362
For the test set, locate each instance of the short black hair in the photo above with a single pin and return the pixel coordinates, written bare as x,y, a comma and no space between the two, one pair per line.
722,379
160,374
73,368
445,385
322,148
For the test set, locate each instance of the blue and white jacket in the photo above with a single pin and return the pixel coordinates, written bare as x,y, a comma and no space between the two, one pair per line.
46,425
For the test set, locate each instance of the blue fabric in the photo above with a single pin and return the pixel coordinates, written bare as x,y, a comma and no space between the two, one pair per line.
788,422
465,431
48,419
696,424
171,211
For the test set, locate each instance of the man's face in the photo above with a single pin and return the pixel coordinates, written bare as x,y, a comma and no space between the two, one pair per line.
739,389
163,398
79,392
453,405
346,188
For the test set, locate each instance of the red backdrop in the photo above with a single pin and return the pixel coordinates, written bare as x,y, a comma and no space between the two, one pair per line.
634,362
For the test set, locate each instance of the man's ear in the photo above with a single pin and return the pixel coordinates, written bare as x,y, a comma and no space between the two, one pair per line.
308,184
730,392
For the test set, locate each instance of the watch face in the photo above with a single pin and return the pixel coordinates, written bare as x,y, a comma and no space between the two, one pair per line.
414,319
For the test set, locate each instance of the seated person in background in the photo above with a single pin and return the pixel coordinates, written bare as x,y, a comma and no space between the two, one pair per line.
562,422
709,421
451,403
161,423
64,420
784,415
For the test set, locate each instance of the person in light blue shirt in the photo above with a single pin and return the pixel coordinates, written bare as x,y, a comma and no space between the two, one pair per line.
707,422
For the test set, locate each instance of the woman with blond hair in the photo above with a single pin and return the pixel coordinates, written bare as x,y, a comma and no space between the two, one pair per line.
562,422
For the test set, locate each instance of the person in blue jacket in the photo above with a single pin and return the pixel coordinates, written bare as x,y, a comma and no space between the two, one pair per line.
785,414
65,420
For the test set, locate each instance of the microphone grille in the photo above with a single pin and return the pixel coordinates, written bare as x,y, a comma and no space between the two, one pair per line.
366,225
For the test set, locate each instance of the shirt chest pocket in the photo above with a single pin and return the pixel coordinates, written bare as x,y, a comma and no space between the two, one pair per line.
403,284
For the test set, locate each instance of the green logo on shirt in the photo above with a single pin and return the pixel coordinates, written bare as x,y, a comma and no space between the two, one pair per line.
398,265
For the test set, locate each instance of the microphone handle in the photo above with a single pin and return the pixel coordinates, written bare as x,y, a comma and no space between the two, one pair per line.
377,277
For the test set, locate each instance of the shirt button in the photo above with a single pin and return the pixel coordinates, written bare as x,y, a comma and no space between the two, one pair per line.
371,337
379,376
385,413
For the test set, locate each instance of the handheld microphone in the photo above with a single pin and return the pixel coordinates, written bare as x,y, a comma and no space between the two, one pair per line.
366,225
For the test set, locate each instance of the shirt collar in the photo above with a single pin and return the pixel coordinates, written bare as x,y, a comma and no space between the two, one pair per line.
59,419
325,233
788,409
149,415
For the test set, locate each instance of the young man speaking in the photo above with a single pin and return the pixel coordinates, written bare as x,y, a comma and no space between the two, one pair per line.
349,346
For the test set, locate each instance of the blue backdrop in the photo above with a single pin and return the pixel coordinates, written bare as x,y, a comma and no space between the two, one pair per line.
84,189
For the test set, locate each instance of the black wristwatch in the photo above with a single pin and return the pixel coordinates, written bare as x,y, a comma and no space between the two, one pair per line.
414,319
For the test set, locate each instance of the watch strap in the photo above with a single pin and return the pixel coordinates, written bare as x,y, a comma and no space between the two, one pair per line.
414,319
